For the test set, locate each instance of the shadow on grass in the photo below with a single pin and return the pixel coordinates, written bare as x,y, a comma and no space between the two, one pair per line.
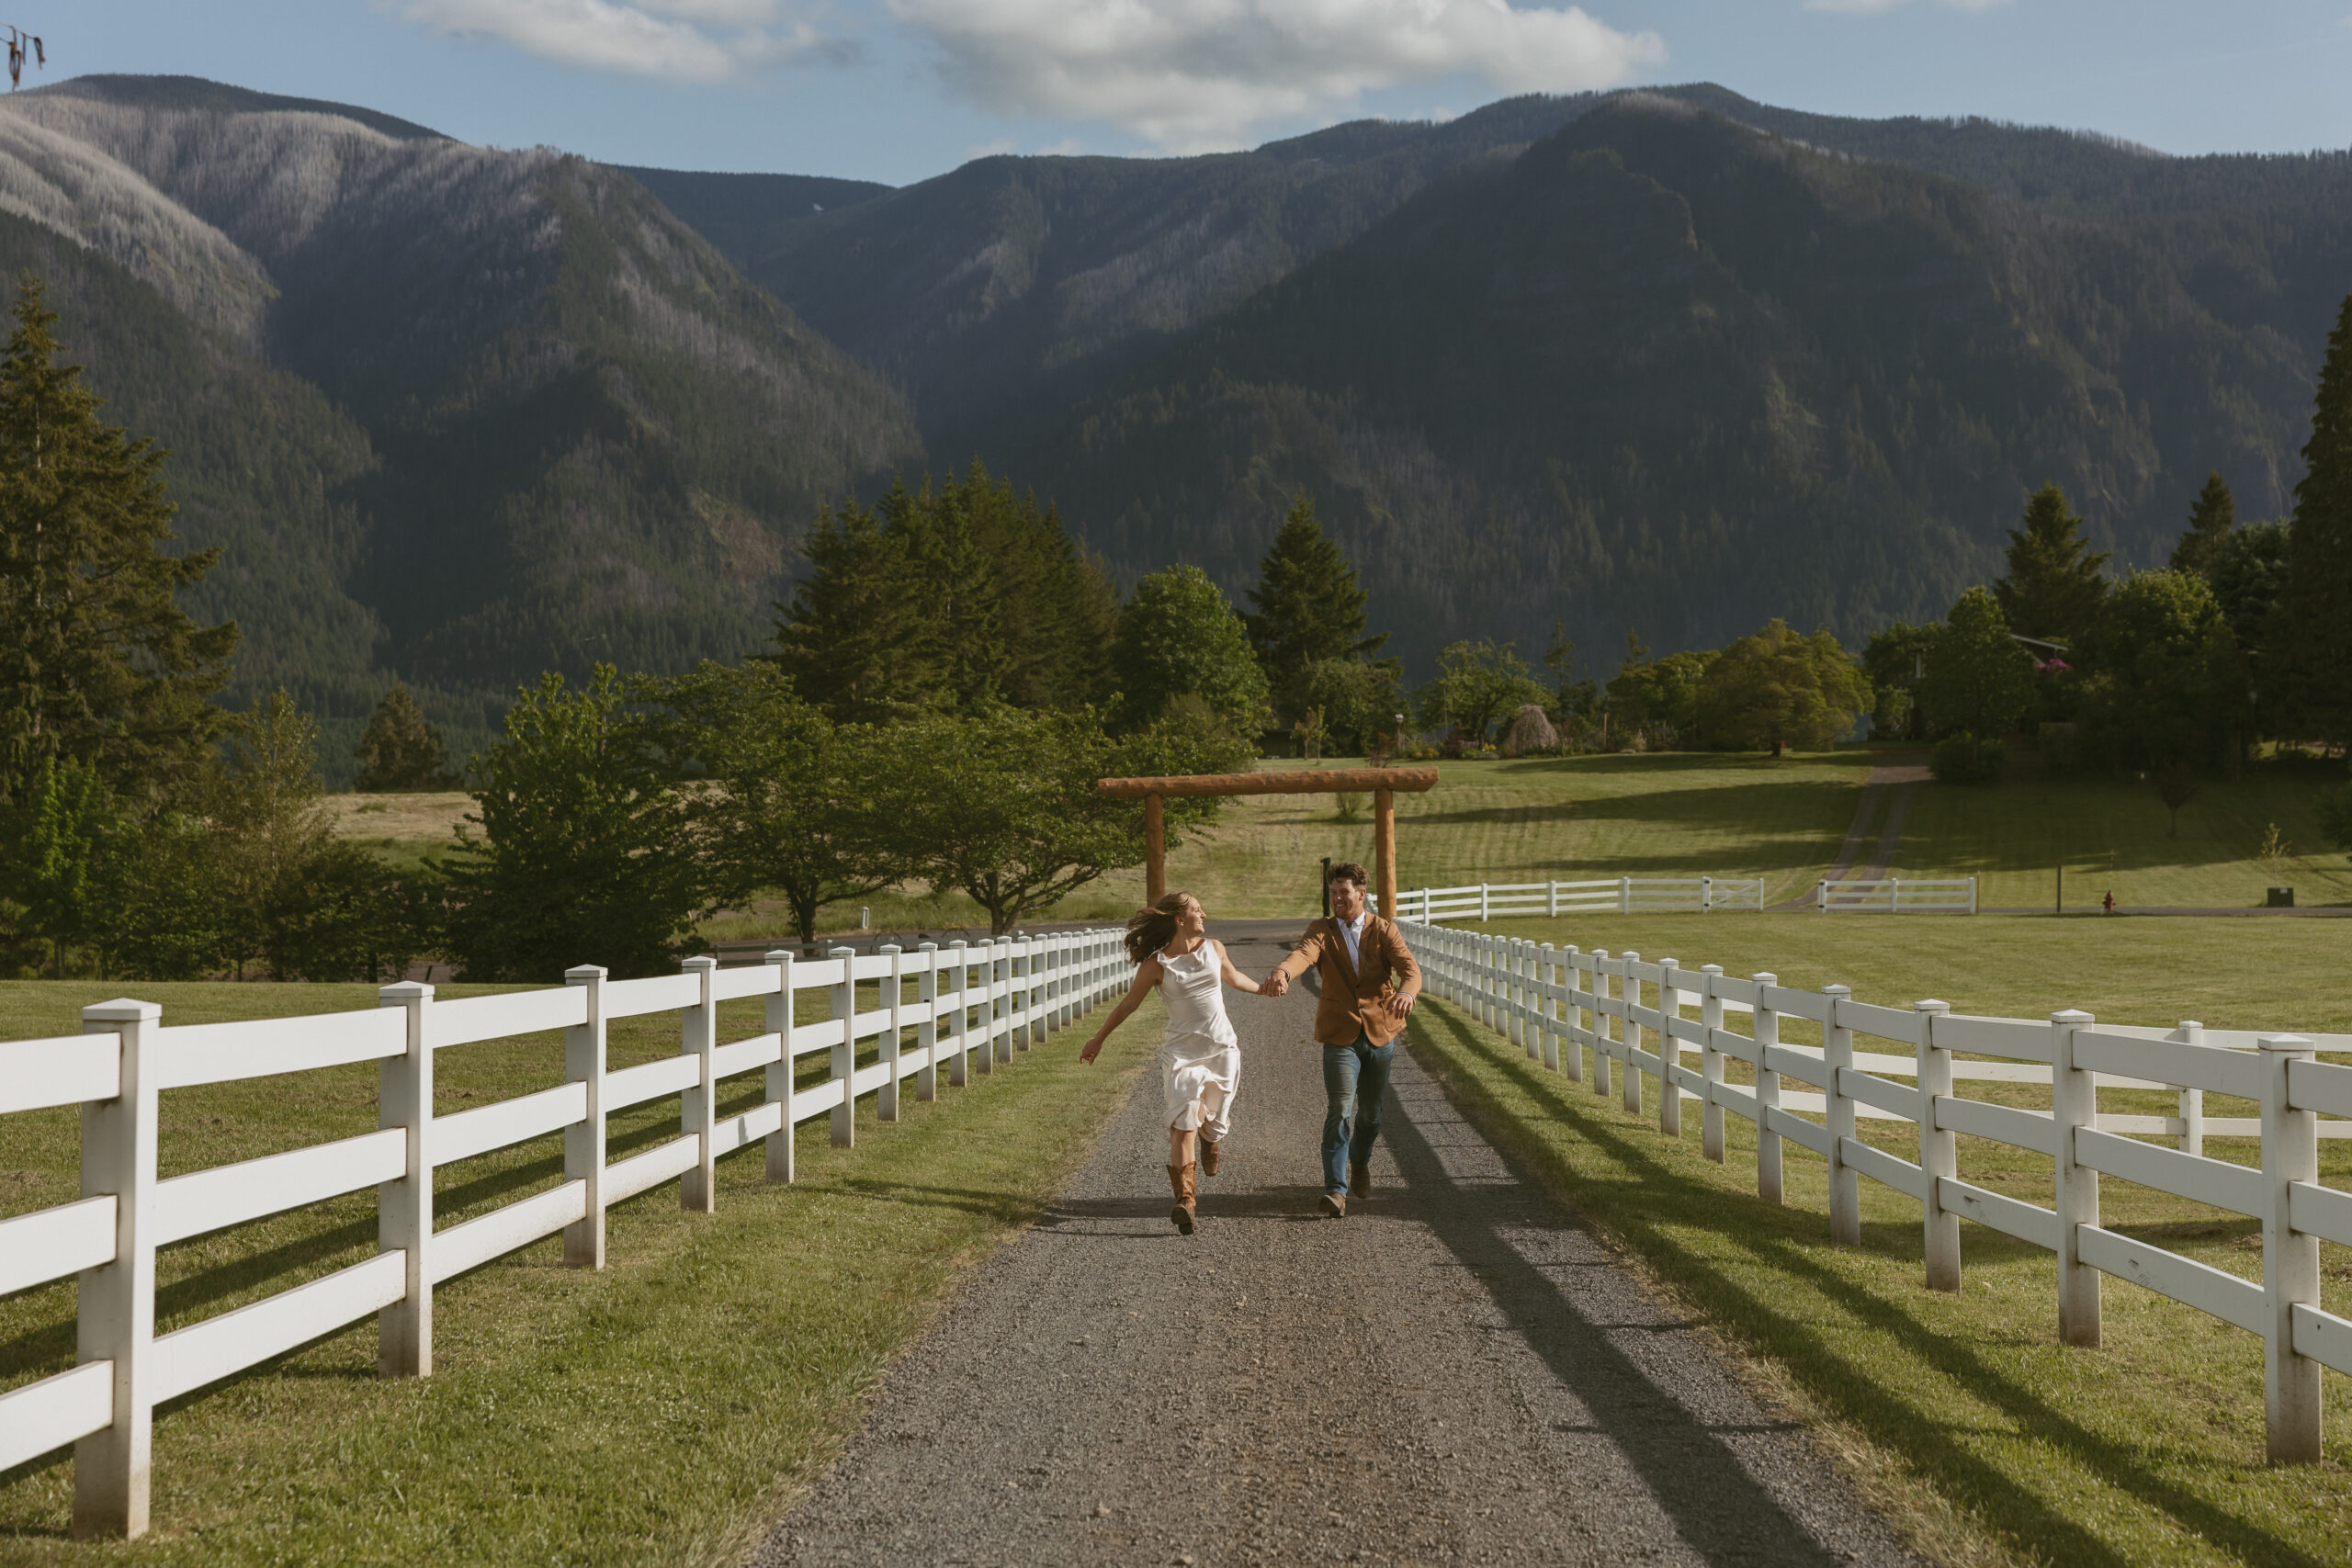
1666,1199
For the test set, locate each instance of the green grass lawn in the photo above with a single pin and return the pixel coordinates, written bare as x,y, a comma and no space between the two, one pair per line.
1963,1414
661,1411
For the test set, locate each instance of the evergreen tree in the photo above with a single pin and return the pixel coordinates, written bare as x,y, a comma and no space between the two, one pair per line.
1307,605
959,595
2053,587
399,750
2316,605
1179,638
2210,521
99,664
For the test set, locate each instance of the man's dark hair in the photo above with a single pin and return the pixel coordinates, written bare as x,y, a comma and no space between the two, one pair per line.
1348,870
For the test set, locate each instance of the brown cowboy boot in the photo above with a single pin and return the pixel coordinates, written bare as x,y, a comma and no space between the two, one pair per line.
1334,1205
1179,1176
1208,1157
1359,1181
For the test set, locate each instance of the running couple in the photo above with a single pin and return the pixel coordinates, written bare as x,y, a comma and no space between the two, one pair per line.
1369,982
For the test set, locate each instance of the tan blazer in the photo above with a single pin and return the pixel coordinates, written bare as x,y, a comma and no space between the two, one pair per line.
1356,1004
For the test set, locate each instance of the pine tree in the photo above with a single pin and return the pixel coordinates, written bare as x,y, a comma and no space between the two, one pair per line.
2210,521
399,750
1307,605
2316,605
100,664
2053,587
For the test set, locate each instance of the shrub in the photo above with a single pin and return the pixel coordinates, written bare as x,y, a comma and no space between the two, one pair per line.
1965,759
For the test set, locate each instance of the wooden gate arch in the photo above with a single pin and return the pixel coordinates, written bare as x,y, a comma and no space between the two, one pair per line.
1384,783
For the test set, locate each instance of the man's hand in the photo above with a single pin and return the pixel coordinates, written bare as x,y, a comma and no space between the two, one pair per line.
1276,983
1403,1005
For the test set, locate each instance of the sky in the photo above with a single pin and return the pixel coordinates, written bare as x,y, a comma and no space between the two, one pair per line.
899,90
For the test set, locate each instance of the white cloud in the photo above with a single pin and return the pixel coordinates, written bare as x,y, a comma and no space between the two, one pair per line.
1880,7
1199,74
672,40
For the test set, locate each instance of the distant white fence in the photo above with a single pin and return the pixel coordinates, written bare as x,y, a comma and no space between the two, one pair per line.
1557,1002
987,998
1899,894
1626,895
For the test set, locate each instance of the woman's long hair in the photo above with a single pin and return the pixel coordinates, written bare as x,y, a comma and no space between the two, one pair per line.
1153,928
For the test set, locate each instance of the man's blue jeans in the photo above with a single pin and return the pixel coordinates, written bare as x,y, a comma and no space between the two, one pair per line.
1355,1079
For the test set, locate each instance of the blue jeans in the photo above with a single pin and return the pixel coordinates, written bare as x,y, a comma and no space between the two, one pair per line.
1355,1079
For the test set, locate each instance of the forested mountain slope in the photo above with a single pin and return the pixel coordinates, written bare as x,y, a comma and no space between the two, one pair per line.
1014,279
577,433
1664,373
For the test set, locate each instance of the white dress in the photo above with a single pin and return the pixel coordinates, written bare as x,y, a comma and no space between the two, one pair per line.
1199,1062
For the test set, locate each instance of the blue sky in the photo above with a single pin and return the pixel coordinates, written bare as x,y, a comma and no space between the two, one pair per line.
898,90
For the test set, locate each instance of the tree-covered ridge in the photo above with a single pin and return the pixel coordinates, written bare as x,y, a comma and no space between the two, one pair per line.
1665,373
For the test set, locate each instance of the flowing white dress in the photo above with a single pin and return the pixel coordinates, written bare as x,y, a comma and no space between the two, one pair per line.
1200,1061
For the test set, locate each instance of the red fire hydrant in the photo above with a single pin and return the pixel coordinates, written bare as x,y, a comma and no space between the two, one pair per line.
2108,902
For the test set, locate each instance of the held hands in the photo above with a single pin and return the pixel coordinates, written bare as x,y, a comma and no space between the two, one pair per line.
1275,983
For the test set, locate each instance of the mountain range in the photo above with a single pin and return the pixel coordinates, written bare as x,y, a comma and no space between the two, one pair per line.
1664,362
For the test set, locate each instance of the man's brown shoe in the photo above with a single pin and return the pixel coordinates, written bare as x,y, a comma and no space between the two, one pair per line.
1359,1181
1335,1205
1208,1157
1179,1176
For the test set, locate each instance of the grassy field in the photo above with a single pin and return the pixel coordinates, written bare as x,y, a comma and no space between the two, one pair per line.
1672,814
661,1411
1963,1416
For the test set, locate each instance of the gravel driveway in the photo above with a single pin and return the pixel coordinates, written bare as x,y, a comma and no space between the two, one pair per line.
1454,1372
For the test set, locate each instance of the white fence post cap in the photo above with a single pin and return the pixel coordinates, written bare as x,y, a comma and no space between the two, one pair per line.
122,1009
699,961
579,975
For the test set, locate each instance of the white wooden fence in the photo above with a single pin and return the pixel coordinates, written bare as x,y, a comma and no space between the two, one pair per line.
1899,894
1557,1002
1627,894
986,999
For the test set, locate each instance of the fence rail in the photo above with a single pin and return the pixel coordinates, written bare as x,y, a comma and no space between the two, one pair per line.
981,1002
1627,894
1556,1003
1899,894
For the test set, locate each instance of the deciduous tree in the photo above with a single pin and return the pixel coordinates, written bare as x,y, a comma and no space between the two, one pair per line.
1979,678
1178,637
1779,688
2165,680
1478,684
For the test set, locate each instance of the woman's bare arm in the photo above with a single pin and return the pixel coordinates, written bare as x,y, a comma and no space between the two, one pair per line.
1147,980
1235,977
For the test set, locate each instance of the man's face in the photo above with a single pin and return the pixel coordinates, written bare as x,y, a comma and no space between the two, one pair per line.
1347,898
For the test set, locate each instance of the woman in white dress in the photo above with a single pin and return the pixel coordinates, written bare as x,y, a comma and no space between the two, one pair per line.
1200,1061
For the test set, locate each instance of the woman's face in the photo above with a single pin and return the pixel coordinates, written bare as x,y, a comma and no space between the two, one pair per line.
1191,919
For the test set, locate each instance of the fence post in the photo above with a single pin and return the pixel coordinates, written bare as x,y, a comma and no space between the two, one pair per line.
1939,1153
1551,908
2074,1102
1483,903
886,1104
2290,1258
1604,1031
1821,897
1845,1182
2192,1101
779,1073
698,1109
1706,894
583,1141
1894,895
844,1066
1629,987
1971,896
405,1208
1571,1013
959,959
1711,1064
927,1029
1766,1031
1032,994
1521,951
999,1014
1669,1049
1624,894
1547,966
116,1311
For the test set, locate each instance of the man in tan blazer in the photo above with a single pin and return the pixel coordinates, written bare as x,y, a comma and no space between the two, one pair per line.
1368,982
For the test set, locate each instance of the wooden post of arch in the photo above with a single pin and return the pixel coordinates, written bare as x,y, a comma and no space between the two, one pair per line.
1383,784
